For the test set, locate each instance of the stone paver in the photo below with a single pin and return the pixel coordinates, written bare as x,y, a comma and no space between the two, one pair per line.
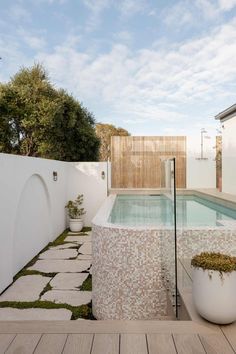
10,314
68,281
71,297
63,246
78,239
77,233
86,248
59,254
84,256
60,266
25,288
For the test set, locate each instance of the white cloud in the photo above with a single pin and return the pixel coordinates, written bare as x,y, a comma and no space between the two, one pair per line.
19,13
131,7
96,8
142,87
124,37
136,86
179,14
186,12
33,41
227,5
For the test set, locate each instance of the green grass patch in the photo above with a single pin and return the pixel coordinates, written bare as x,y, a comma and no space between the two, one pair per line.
87,284
60,240
86,229
48,287
24,272
83,311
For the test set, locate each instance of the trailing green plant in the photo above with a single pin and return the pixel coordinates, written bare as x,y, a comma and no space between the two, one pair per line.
73,207
214,261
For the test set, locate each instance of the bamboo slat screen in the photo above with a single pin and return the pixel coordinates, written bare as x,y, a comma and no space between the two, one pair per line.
137,161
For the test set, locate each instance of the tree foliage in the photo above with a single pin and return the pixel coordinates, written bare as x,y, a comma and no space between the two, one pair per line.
104,133
36,119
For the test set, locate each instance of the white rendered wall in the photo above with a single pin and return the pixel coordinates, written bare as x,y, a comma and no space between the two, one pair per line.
229,156
201,173
32,205
86,178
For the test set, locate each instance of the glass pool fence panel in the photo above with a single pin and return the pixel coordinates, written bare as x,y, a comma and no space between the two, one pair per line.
169,232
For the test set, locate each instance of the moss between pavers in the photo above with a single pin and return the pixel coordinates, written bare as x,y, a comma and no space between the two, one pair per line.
86,229
48,287
87,284
83,311
25,272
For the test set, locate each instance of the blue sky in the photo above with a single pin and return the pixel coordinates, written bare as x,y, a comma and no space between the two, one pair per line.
152,67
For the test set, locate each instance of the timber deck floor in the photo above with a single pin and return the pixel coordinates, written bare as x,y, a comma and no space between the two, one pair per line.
116,337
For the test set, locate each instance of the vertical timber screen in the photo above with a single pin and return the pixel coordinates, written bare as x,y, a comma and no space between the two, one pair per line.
136,161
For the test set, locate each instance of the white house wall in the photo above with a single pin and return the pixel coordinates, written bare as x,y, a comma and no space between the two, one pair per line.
32,205
86,178
201,173
229,156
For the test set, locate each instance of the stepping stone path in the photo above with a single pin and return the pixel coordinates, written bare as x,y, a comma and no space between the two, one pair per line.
59,254
63,246
68,281
60,266
86,248
71,297
10,314
63,288
26,288
78,239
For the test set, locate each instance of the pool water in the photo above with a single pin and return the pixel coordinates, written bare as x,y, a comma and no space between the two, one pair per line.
154,210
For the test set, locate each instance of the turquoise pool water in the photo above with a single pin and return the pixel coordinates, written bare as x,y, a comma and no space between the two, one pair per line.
154,210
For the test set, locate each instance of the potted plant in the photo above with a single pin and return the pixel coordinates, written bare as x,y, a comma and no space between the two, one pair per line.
75,213
214,286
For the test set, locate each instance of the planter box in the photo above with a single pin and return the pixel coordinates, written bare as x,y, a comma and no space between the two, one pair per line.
214,295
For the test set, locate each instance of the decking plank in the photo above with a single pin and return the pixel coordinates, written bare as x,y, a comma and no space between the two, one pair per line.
133,344
230,333
160,344
51,344
135,327
105,344
5,341
23,344
215,344
78,343
188,344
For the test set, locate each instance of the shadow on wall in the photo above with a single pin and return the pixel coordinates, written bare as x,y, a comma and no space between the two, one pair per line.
32,226
87,178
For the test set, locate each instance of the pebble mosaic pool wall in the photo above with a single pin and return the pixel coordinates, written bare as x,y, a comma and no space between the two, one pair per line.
131,267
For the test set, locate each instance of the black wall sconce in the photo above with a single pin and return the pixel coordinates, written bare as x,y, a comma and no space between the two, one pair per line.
103,175
54,176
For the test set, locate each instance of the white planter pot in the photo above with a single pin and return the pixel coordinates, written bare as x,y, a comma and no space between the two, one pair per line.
76,225
214,295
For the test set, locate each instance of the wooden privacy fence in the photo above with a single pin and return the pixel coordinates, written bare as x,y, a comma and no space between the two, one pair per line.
137,161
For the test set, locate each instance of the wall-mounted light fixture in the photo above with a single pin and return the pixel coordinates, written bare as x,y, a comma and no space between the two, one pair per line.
54,176
103,174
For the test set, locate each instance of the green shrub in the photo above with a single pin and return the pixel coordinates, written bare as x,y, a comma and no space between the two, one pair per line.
214,261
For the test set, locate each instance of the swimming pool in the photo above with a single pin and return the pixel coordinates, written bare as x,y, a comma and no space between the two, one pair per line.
133,249
157,210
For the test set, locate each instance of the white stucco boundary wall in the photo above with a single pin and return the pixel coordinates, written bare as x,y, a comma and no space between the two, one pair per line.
32,205
200,173
229,156
86,178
